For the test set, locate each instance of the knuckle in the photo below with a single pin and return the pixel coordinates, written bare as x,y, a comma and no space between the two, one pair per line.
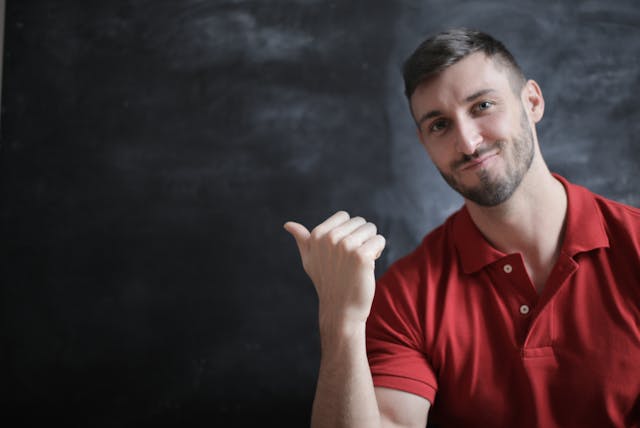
316,233
373,227
333,237
362,257
347,243
359,220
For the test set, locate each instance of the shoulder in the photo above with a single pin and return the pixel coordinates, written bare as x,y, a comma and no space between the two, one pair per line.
621,221
621,224
612,211
590,211
617,212
433,252
403,292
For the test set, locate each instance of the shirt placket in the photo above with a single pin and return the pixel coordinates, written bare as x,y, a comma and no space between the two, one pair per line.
518,293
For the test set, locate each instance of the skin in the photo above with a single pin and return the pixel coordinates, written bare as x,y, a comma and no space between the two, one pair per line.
491,190
531,219
481,136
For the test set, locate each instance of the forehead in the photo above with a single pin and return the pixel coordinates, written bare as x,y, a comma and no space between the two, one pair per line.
452,86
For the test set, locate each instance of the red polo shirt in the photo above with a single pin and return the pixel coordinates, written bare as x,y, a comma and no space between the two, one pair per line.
461,324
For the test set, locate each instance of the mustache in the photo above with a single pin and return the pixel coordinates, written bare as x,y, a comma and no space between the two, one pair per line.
460,163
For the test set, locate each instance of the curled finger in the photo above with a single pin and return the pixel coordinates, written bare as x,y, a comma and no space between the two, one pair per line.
346,229
372,247
331,223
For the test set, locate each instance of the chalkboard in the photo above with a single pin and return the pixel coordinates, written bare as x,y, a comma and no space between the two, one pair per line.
152,150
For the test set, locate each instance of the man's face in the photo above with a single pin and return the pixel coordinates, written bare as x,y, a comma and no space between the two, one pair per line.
475,129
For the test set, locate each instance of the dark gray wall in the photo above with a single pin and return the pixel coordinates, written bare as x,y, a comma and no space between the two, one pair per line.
152,150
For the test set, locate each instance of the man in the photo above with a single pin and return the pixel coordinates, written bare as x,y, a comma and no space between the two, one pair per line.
521,310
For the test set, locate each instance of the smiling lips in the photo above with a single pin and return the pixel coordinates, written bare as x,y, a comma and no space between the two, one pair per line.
477,162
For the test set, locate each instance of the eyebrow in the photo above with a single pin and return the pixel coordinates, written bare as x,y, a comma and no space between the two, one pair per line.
470,98
478,94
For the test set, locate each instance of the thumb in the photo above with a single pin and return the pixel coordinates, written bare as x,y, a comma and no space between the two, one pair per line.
300,234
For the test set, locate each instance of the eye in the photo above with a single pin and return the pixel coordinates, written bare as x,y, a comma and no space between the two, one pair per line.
438,125
484,105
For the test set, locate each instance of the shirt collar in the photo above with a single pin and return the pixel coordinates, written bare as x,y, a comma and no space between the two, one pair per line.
584,230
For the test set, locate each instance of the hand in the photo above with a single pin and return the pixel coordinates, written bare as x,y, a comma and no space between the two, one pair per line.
339,256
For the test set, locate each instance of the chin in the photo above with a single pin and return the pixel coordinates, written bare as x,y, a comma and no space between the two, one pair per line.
487,190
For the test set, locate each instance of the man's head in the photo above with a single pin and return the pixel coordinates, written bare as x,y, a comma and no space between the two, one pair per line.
443,50
475,113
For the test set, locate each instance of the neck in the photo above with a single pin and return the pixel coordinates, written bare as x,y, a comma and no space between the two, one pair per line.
530,222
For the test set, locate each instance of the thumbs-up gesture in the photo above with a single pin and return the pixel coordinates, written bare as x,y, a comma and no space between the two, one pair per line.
339,256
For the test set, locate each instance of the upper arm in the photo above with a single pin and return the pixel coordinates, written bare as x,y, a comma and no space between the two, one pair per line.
400,409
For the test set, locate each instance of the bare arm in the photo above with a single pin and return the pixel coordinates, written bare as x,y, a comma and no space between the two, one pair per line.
402,409
339,256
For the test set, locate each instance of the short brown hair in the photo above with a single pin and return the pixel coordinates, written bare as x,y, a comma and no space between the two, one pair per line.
444,49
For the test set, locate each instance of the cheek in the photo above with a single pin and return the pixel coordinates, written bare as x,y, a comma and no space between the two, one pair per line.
496,127
440,154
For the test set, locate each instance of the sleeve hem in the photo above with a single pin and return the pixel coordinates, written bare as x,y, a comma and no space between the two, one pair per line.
412,386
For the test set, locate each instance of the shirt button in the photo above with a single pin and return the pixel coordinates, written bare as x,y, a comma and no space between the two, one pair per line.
524,309
507,268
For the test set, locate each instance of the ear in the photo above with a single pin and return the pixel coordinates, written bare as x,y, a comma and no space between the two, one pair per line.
533,101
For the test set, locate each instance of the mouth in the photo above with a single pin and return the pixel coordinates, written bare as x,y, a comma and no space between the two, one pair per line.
478,162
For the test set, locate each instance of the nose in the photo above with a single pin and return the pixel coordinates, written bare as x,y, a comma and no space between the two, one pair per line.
468,136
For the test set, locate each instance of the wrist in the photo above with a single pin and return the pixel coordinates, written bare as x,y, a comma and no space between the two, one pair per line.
338,333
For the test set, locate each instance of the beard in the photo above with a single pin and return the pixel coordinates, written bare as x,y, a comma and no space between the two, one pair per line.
492,191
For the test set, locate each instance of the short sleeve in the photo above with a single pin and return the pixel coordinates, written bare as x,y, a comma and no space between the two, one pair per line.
395,338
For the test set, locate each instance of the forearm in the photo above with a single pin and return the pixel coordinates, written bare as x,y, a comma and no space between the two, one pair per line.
339,256
345,394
